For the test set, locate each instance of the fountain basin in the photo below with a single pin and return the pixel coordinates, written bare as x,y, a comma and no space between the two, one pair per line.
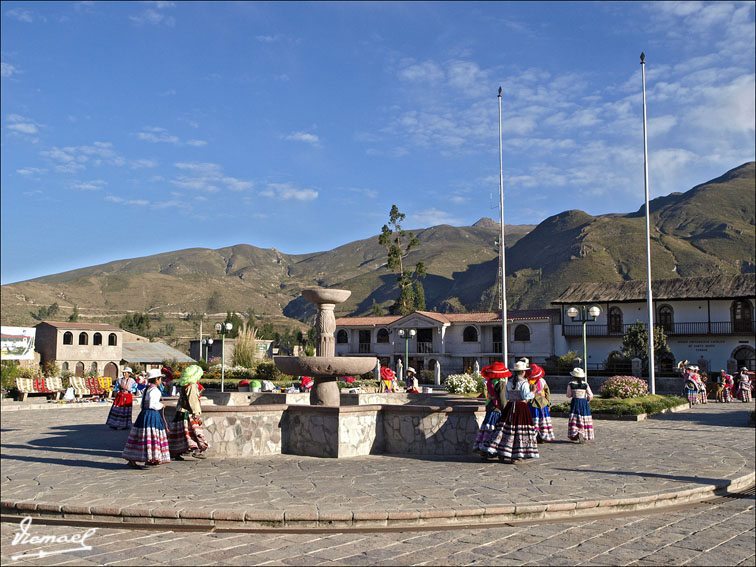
325,366
320,295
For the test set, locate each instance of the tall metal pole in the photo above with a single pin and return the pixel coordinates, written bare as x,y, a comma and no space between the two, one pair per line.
584,316
223,358
651,370
502,275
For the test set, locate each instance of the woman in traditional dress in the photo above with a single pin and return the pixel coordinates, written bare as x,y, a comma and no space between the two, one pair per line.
387,379
514,436
539,405
744,385
185,433
728,386
148,441
495,379
719,386
690,386
120,413
702,394
580,424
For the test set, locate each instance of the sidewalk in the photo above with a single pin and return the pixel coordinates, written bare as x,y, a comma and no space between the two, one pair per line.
68,464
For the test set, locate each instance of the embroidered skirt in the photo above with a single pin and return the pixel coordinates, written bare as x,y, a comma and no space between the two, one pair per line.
147,440
185,433
703,397
727,395
581,421
692,395
486,430
514,436
120,413
745,394
542,423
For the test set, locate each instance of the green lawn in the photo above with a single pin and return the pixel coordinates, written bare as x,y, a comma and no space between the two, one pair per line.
631,406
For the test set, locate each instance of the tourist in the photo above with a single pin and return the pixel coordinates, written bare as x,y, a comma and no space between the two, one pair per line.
514,437
494,380
580,425
539,405
148,441
120,413
744,385
185,433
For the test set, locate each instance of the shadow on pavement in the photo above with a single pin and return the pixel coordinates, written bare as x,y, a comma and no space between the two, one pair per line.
89,439
735,417
694,479
69,462
67,450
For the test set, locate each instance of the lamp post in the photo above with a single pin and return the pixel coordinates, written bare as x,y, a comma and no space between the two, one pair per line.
222,329
406,334
592,315
207,344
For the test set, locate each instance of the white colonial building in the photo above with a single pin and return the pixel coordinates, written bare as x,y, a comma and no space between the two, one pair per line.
709,321
455,340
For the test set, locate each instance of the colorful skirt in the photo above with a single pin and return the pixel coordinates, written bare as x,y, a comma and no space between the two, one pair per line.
147,440
542,423
745,394
514,436
692,395
727,395
185,434
120,413
581,421
486,431
703,397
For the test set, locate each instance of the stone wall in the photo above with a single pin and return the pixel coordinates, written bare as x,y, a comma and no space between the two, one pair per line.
430,430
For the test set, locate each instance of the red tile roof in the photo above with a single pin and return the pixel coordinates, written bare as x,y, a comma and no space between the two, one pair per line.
449,318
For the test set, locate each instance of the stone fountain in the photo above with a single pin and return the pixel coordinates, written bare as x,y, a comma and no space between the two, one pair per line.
325,367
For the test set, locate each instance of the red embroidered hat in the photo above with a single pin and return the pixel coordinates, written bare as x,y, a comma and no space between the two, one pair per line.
536,372
387,373
495,370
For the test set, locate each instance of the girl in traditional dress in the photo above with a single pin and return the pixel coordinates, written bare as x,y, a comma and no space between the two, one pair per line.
387,379
120,413
514,436
744,385
495,379
580,425
539,405
690,387
185,433
148,442
703,396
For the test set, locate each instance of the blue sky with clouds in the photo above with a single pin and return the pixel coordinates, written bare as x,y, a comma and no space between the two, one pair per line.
133,128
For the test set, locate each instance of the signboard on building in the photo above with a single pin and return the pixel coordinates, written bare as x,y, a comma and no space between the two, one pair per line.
17,343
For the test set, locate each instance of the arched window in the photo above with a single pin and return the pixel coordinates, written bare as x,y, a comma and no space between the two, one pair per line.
64,367
79,369
522,333
68,338
470,334
615,320
112,339
97,339
383,336
83,339
742,316
341,337
93,367
745,356
666,318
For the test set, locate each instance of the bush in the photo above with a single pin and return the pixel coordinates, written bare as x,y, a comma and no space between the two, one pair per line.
464,383
426,377
650,404
269,371
561,365
10,371
624,387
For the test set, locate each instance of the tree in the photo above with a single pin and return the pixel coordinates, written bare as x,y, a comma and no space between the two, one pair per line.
74,317
635,343
236,322
138,323
398,245
377,309
46,312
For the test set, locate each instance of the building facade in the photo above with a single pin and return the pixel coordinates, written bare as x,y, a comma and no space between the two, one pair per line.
709,321
80,347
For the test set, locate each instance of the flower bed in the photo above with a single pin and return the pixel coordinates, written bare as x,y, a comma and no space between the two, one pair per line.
624,387
632,406
464,383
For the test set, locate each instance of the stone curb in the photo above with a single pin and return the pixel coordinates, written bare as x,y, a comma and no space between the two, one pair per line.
303,519
24,406
639,417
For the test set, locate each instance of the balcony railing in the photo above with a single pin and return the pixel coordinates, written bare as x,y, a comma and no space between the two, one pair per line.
366,348
676,329
424,348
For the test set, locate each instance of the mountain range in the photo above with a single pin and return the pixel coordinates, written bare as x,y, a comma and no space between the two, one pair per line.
706,230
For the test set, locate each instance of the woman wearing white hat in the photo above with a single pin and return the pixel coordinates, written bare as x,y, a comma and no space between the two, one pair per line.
744,385
580,424
690,384
148,440
120,413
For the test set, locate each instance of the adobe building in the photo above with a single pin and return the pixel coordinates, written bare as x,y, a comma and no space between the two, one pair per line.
80,347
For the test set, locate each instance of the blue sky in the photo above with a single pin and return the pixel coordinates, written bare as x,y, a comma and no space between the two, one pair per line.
133,128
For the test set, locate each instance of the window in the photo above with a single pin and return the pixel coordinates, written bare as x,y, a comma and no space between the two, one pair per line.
83,339
742,319
470,334
615,320
79,369
364,337
745,356
64,367
68,338
383,336
341,337
666,318
112,339
93,367
522,333
97,339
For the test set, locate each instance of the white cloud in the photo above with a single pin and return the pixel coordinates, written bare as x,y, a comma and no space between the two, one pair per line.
268,38
153,17
21,15
158,135
30,171
144,162
432,217
94,185
728,108
427,72
24,128
303,137
287,191
208,177
75,158
369,193
7,70
122,201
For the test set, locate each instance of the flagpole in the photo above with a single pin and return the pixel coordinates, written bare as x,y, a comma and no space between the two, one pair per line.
651,371
503,272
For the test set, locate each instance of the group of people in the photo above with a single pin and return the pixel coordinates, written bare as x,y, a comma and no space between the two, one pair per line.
151,439
517,412
725,387
389,381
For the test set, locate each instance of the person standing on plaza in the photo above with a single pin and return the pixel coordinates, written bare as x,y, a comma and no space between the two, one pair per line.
495,380
539,405
410,381
514,437
690,385
148,441
185,433
580,424
719,386
120,413
744,385
728,386
703,395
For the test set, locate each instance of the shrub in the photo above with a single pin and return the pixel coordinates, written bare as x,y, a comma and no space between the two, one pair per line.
268,371
426,377
464,383
624,387
10,371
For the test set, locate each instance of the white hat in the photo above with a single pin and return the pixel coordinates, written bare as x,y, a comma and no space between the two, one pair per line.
578,373
410,369
744,368
129,370
525,360
520,365
154,374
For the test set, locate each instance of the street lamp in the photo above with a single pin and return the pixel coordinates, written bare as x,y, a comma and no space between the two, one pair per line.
207,343
593,313
406,335
222,330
